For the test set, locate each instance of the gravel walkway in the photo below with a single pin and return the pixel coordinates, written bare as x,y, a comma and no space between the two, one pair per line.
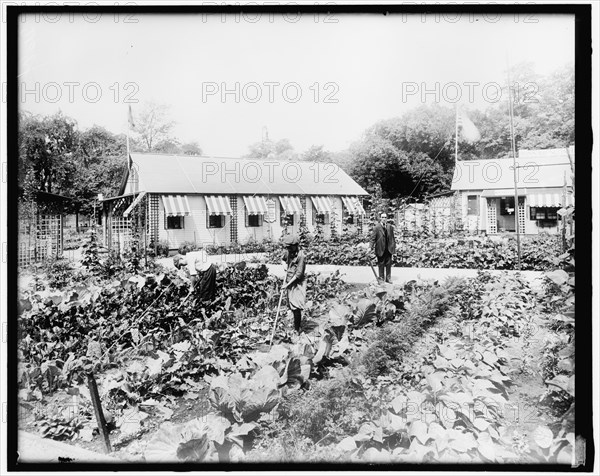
364,274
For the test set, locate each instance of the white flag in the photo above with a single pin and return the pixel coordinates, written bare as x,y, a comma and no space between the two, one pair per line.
468,130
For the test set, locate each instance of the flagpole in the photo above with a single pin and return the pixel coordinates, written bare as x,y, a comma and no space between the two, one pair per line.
128,127
456,134
129,121
514,155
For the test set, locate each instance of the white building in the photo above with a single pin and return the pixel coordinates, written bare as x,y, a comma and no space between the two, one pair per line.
544,185
219,201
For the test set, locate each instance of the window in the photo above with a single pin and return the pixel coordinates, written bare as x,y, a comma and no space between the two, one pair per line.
507,206
472,205
348,217
254,220
285,219
174,223
319,218
543,213
216,221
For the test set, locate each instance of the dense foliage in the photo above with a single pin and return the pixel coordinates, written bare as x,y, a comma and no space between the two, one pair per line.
449,404
413,154
350,389
539,253
56,156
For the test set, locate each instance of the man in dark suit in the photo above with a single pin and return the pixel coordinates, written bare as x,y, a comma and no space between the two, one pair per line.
384,244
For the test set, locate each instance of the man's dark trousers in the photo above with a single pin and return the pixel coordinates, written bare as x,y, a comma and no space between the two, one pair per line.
384,244
385,266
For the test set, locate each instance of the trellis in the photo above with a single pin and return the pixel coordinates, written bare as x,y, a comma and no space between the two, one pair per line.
360,218
123,233
492,223
40,228
521,215
40,238
440,216
233,225
153,215
303,214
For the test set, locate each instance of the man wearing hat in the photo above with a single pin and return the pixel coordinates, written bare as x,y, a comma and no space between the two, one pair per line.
295,279
383,242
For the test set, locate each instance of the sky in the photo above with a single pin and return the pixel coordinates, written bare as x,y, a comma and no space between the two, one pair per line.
314,80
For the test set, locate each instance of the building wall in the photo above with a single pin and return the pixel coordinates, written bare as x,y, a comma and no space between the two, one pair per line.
335,218
504,221
268,231
195,229
473,223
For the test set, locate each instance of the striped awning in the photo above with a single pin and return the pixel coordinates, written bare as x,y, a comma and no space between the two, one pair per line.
176,205
291,205
134,204
218,205
255,205
353,206
322,204
549,199
503,192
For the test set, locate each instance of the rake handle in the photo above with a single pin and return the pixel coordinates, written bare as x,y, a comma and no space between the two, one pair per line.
277,314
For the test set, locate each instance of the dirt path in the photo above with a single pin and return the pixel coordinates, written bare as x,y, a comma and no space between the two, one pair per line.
529,388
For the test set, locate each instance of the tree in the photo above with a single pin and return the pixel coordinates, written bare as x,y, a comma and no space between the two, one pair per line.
316,154
414,154
54,156
549,121
191,148
543,113
101,156
267,149
46,147
377,162
167,146
97,142
153,125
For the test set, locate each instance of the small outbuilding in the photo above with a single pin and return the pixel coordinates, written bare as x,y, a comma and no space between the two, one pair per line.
220,201
485,191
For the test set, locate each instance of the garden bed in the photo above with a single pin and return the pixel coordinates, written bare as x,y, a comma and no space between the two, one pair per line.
538,253
183,380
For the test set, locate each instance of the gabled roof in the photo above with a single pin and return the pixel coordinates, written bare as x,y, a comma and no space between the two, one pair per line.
535,169
184,174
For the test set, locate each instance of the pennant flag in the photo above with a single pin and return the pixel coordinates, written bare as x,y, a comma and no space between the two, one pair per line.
469,131
130,118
